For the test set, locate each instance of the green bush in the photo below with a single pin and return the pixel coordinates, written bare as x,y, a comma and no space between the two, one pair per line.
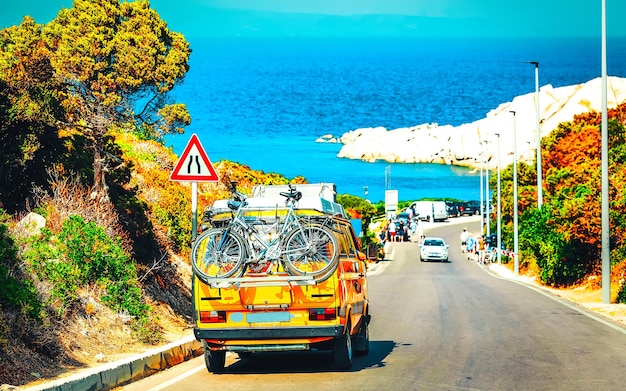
15,293
81,256
87,246
177,220
560,261
47,263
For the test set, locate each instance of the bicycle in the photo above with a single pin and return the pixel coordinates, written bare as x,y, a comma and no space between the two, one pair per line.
490,256
303,247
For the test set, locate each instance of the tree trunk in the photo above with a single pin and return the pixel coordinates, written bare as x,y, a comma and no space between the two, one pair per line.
99,190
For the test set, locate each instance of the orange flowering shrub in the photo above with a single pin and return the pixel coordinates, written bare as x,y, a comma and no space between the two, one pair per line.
565,238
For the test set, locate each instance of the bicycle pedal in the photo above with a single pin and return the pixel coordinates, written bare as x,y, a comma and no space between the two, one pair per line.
259,267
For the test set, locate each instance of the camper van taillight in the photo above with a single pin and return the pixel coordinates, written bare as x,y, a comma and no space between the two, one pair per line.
322,314
212,316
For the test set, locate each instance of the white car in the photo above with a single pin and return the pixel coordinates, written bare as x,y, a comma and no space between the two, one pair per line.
434,249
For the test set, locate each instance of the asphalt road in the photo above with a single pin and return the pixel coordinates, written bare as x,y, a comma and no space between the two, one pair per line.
440,326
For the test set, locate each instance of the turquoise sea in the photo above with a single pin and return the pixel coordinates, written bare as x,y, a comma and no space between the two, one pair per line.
263,102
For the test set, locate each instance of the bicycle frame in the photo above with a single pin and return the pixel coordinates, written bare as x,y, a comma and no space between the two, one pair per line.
301,244
270,249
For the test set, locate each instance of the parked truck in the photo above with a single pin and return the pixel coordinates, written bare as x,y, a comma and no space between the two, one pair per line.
275,310
430,210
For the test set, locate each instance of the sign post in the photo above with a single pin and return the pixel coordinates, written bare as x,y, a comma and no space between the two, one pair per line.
194,166
391,202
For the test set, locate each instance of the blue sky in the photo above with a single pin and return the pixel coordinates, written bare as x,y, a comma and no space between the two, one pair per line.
365,17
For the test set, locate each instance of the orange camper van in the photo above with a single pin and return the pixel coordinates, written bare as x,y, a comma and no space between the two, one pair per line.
274,310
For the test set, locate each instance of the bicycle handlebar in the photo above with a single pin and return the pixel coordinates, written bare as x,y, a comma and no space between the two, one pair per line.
293,194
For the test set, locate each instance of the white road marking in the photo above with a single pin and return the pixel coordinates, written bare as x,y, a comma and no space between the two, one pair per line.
179,378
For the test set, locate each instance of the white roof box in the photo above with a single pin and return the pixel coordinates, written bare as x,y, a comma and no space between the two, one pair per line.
319,196
320,190
306,202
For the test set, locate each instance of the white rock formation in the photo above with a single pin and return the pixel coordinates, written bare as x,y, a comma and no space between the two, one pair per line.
463,145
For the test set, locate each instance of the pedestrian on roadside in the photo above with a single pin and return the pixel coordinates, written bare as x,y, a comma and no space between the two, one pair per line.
383,235
464,236
400,231
470,246
482,248
420,232
392,231
412,230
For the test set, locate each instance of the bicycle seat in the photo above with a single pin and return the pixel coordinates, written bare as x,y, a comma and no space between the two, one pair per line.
296,195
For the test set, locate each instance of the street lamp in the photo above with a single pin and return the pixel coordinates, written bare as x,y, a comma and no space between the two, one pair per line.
388,177
515,222
482,195
604,203
539,173
499,229
487,187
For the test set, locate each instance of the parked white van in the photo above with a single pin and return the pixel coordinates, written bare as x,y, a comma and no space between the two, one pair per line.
430,210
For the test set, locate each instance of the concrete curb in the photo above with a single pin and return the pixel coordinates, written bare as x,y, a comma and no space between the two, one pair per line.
119,373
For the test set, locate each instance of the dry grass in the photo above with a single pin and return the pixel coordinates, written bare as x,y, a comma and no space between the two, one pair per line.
105,336
69,197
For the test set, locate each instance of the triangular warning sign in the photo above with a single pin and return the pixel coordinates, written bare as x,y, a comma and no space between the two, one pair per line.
194,164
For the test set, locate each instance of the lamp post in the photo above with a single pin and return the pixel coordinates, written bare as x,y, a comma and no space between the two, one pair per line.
487,187
605,218
515,222
482,194
498,224
388,177
538,123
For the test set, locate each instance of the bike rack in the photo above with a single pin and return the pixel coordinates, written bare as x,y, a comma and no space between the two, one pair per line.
240,282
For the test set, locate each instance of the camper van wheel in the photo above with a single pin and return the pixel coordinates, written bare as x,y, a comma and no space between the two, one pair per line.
362,340
342,351
214,359
245,355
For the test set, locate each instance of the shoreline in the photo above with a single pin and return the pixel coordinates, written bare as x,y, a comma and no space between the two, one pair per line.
506,133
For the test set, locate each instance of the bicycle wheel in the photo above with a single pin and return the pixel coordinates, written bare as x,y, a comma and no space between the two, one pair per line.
218,253
311,250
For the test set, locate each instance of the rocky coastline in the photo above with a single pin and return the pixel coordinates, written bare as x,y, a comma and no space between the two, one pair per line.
476,144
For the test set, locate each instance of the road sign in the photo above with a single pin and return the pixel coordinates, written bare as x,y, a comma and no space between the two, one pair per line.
194,164
391,202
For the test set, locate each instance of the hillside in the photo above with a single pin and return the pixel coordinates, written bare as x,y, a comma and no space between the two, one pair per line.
94,237
151,218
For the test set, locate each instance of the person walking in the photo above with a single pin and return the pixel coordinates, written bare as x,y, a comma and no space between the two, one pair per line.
420,232
392,231
470,244
412,230
482,248
383,235
400,231
464,236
